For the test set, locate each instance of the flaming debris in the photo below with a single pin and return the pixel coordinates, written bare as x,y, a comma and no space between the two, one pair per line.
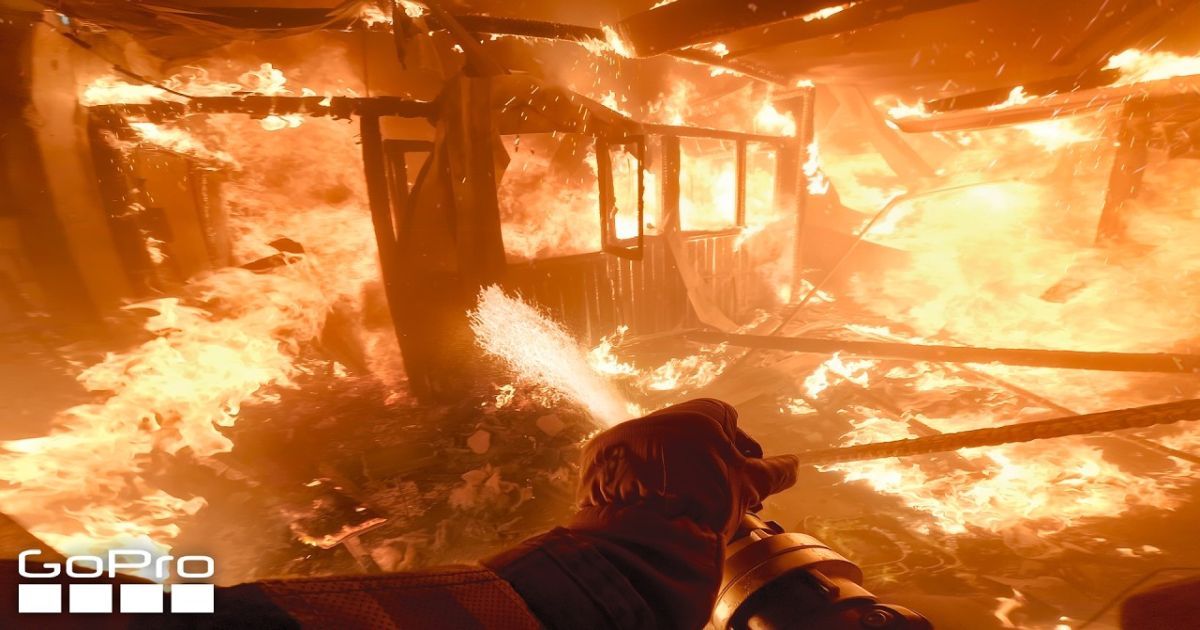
172,139
818,184
1017,96
827,12
680,375
1041,487
372,14
1137,66
616,43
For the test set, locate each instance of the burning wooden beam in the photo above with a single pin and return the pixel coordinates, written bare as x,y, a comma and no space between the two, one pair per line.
1128,171
1092,78
1065,359
1136,417
258,105
1069,104
685,23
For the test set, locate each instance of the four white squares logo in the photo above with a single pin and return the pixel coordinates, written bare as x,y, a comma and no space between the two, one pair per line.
90,597
39,598
141,598
192,598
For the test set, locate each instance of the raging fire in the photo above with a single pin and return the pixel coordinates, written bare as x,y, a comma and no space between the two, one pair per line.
232,337
1007,257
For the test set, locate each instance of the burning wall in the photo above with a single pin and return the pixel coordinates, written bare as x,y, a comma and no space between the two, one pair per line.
233,335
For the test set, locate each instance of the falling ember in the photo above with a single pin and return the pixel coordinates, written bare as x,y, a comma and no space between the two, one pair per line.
413,9
538,351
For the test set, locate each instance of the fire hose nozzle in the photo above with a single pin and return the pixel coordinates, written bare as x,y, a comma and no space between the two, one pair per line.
774,579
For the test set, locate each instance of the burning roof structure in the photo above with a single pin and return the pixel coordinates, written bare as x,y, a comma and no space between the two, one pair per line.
327,287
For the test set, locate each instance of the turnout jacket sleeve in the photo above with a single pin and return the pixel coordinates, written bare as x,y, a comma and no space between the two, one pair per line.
659,497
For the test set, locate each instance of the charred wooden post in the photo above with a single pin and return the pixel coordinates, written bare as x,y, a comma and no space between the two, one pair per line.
740,200
609,240
803,107
1065,359
1128,170
450,244
607,196
671,163
378,198
114,179
471,138
206,186
167,184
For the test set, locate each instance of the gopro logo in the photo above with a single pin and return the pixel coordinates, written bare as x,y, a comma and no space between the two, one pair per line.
35,597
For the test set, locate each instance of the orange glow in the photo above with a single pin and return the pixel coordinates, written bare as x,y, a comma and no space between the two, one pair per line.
1137,66
1010,260
1016,97
770,120
827,12
615,42
232,337
179,141
1058,133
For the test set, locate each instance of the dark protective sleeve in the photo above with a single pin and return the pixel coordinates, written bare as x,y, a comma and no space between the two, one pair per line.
659,497
466,597
1173,605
